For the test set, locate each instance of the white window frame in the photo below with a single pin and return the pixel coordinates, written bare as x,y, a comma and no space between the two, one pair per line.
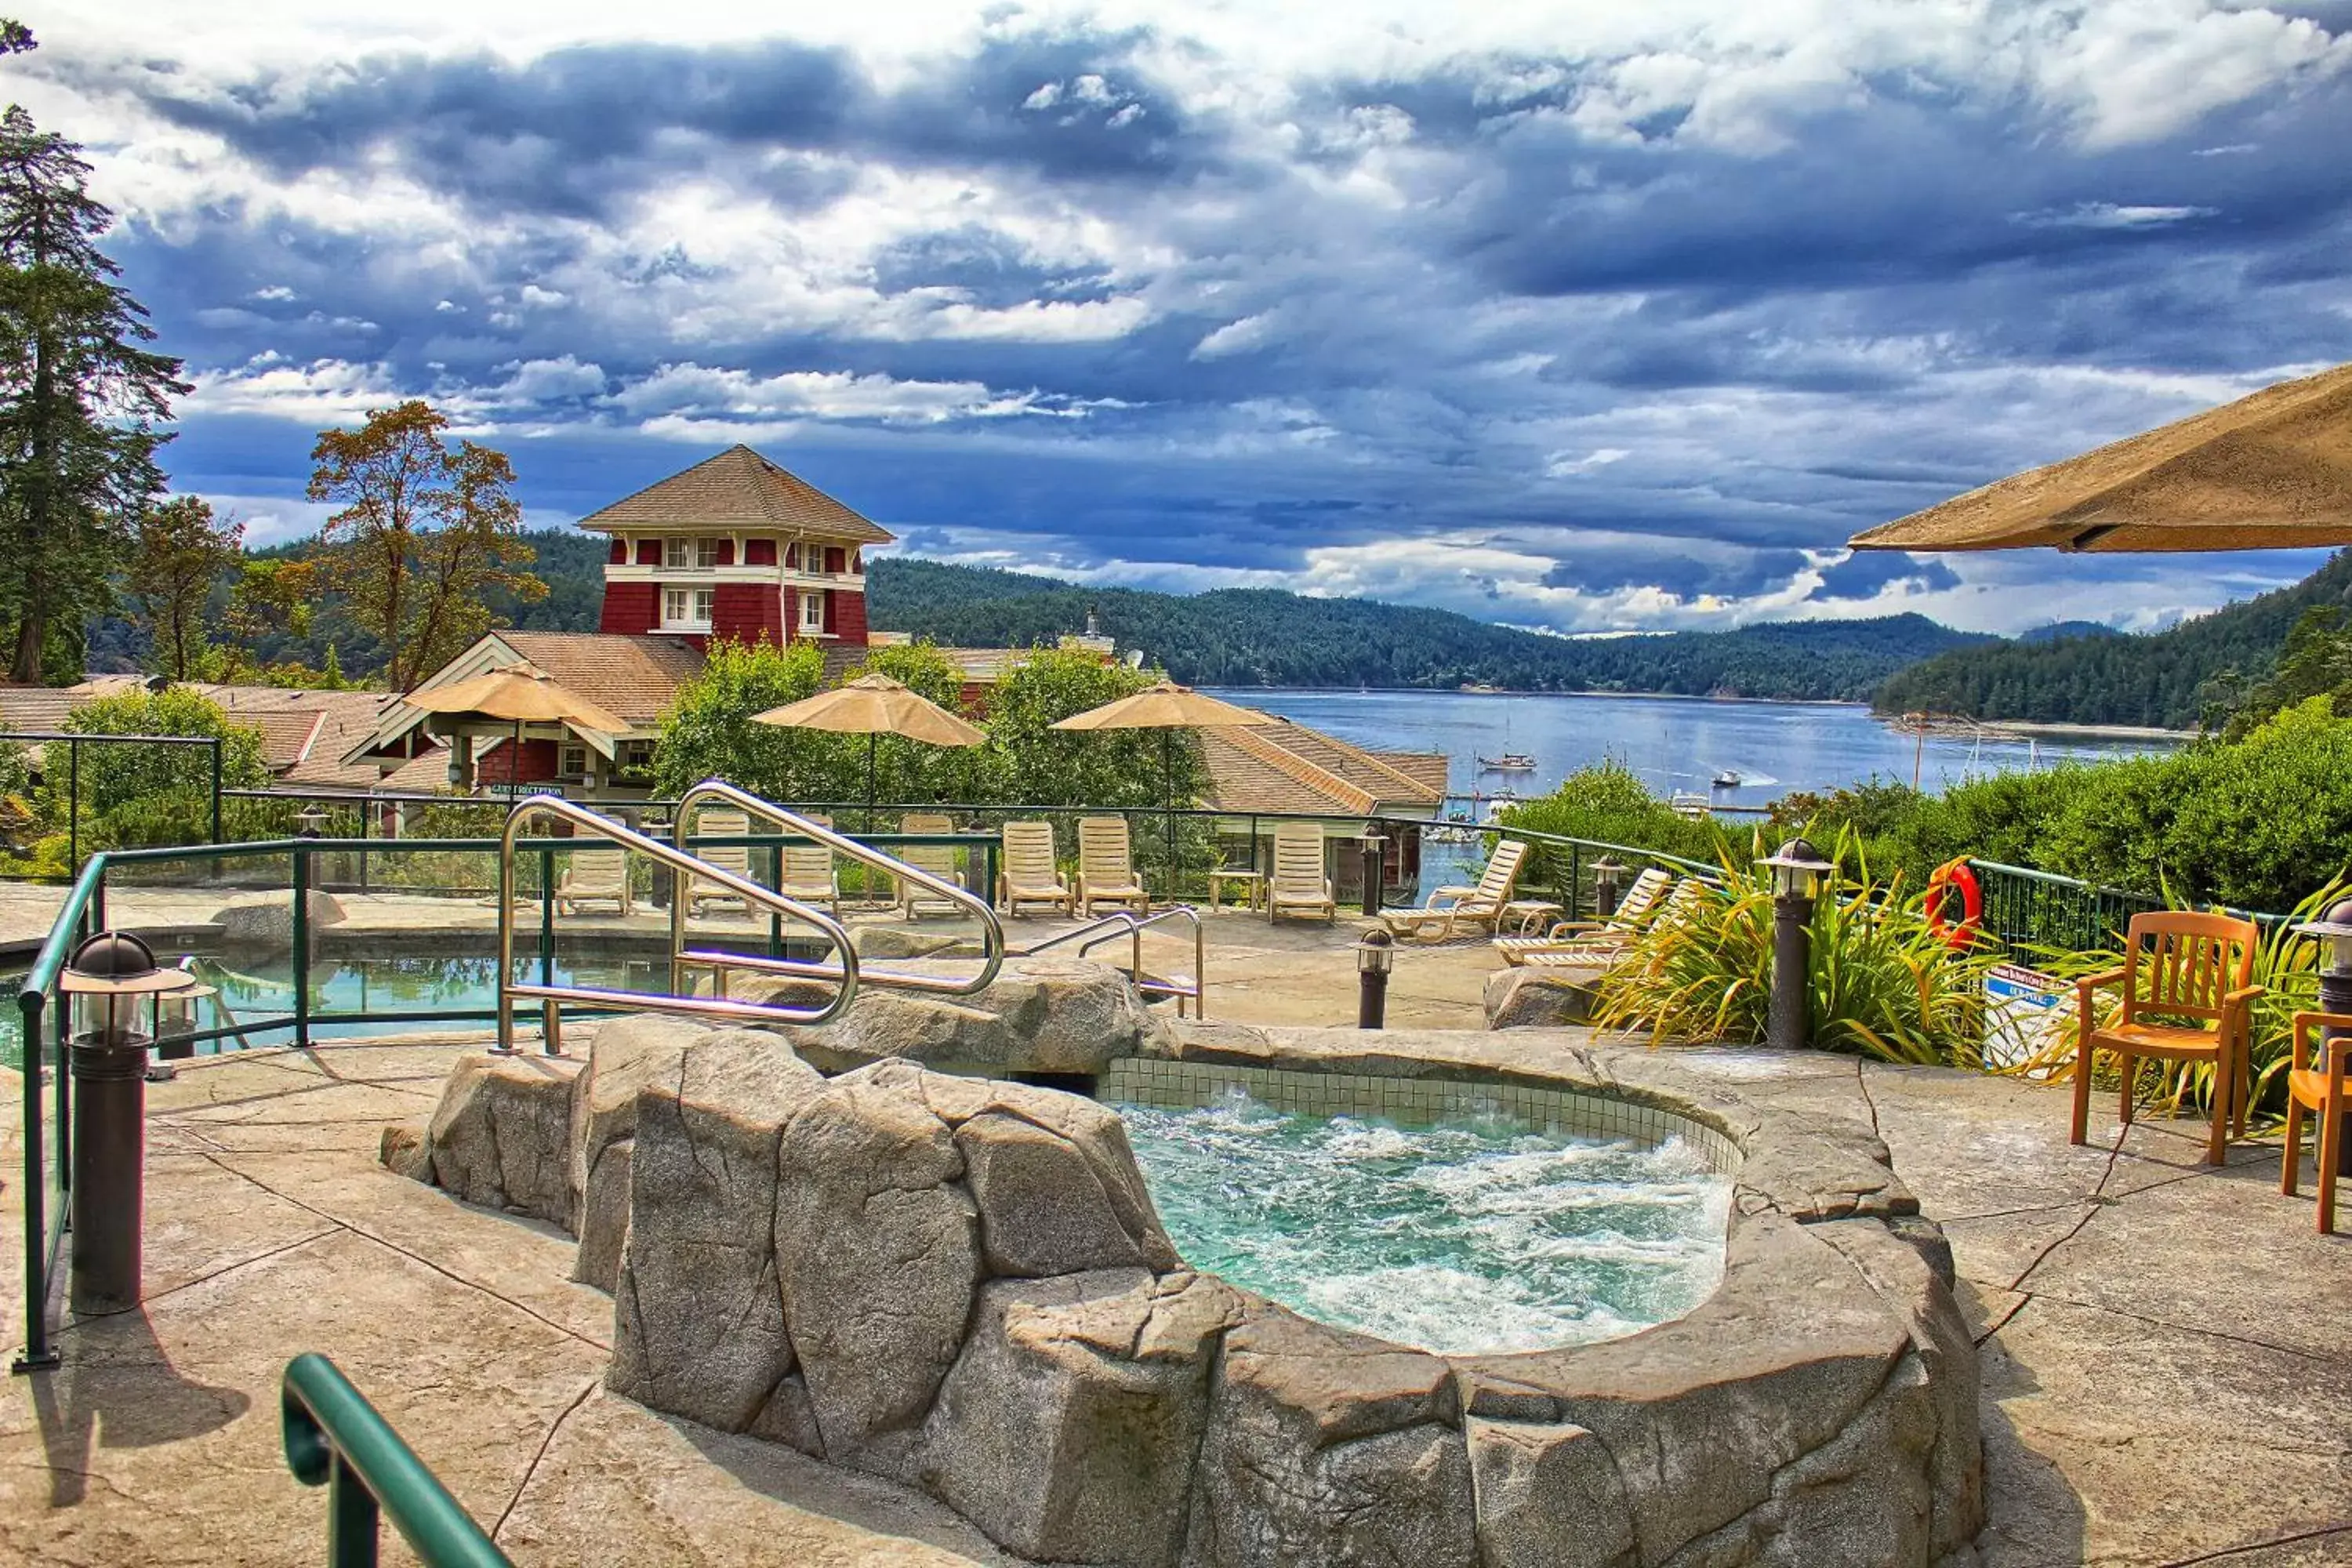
572,760
688,610
689,555
811,617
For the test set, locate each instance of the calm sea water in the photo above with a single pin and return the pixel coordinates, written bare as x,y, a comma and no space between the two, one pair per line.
1673,742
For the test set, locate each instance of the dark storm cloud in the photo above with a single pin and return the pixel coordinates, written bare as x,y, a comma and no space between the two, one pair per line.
1739,346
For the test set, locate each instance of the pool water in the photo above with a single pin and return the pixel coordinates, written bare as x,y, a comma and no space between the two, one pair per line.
249,988
1484,1236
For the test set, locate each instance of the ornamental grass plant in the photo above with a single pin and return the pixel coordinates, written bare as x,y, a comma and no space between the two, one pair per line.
1885,982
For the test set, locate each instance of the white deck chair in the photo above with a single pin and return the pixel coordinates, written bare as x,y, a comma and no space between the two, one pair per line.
1648,890
593,876
1449,908
809,874
1606,948
1106,866
1030,874
1298,885
938,859
734,857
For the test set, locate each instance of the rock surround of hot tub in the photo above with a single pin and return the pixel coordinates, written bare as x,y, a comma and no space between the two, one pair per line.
961,1284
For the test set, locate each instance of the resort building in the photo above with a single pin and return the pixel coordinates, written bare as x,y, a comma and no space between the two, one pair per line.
1291,770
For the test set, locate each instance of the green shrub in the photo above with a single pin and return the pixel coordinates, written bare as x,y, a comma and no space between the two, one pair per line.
1609,803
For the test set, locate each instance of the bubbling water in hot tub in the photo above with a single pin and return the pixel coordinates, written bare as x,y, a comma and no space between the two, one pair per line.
1477,1236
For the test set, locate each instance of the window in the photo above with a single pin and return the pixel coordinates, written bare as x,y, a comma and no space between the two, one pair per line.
635,759
690,555
812,609
687,607
574,762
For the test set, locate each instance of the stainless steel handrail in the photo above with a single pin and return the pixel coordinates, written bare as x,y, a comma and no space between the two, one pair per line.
533,809
992,932
1126,923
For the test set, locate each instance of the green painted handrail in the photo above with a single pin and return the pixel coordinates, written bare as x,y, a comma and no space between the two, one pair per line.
336,1439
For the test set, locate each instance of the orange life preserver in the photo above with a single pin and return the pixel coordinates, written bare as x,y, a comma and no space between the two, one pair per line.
1960,877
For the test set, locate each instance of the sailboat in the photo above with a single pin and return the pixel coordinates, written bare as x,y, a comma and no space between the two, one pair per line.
1510,762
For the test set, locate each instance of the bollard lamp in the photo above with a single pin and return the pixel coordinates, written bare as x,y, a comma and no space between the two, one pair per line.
313,818
107,978
1798,869
1608,873
1375,956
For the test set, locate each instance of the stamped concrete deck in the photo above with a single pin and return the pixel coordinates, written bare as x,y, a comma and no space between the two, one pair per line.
2168,1369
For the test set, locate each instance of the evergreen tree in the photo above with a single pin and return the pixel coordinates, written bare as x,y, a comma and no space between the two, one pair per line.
80,397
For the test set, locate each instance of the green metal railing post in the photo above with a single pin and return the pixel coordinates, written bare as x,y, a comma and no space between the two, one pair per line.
335,1439
39,1354
301,923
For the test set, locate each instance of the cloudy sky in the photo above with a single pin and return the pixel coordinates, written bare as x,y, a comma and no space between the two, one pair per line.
1581,316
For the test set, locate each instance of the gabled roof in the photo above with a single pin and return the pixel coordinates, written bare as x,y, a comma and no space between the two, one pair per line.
1287,766
633,676
736,488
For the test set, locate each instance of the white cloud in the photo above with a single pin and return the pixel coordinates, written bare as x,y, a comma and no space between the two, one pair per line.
2109,215
688,397
1244,336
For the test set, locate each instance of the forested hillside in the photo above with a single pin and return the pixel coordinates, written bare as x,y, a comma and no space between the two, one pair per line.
2167,677
1234,636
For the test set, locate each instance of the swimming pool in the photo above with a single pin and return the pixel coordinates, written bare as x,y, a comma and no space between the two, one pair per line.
1482,1233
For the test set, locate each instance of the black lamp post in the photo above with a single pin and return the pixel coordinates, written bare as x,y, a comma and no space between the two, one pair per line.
108,976
1375,955
1373,872
1797,870
1606,873
2335,928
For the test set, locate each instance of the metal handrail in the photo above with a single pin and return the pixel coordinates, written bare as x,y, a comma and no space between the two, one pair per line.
1126,923
534,808
335,1439
992,932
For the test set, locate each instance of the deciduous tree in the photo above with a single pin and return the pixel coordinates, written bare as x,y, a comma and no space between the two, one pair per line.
424,530
177,556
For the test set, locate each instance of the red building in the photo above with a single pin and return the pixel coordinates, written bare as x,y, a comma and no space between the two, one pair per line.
735,547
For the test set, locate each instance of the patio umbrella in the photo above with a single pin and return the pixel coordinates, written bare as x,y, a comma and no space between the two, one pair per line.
1166,706
2273,471
523,693
874,706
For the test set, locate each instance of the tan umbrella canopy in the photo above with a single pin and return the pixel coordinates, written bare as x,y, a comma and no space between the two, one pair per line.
1165,706
874,706
2273,471
522,693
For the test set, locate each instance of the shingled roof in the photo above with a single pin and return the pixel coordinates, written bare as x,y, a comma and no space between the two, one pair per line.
1287,766
736,488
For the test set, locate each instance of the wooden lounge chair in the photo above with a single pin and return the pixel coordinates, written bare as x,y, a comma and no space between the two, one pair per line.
1029,875
594,877
1640,899
809,874
1603,949
2197,967
938,859
1449,907
1298,885
1107,867
2316,1085
734,857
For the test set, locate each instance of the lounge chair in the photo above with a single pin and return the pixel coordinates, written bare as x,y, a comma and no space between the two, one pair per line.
1029,875
1603,949
1449,908
1640,899
938,859
593,876
809,874
2196,966
1106,866
1298,885
735,858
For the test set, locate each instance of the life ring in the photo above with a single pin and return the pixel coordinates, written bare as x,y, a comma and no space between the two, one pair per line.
1956,875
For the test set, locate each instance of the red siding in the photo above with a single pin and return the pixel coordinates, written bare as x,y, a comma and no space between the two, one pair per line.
834,555
748,611
650,552
535,765
726,553
619,554
759,552
630,609
846,615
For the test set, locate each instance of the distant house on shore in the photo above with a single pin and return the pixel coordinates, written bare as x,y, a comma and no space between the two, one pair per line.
304,734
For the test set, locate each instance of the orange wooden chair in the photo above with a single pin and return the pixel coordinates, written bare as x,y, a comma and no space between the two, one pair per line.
2197,967
2316,1086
